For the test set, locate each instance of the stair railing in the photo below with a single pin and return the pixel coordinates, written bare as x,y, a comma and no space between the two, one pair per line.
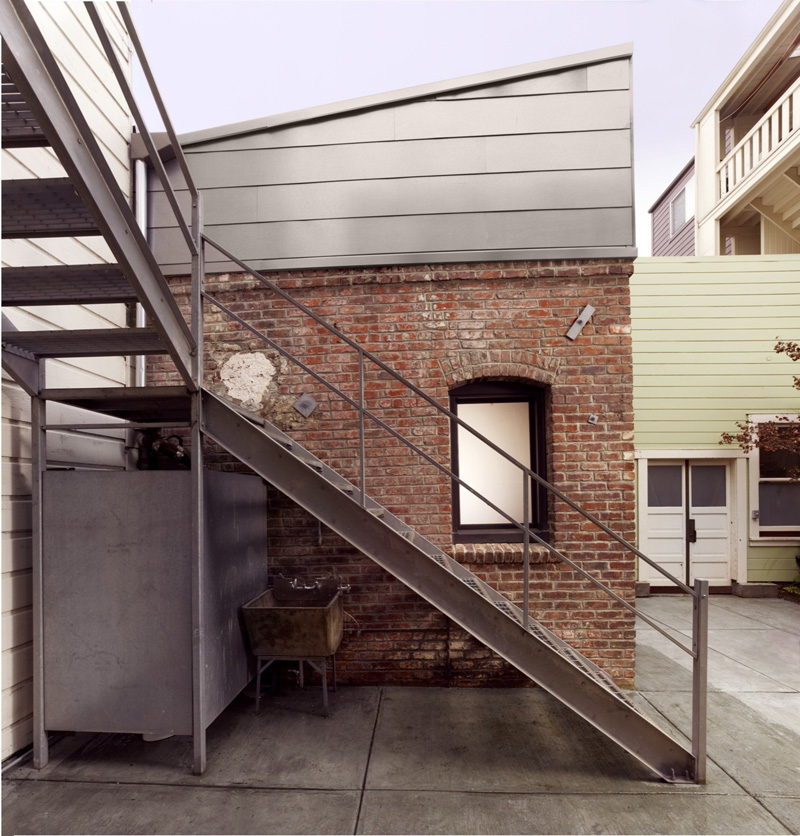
195,238
699,649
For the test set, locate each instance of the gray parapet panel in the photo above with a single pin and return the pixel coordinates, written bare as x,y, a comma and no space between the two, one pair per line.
530,162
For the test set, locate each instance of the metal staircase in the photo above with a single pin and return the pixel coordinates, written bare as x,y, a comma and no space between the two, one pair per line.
442,581
38,91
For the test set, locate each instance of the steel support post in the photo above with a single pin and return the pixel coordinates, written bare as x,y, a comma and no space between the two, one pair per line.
361,441
198,499
526,551
41,753
700,678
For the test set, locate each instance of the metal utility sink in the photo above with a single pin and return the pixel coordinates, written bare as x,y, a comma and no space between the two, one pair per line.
298,621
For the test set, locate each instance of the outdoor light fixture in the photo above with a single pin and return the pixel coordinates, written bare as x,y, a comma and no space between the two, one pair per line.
583,317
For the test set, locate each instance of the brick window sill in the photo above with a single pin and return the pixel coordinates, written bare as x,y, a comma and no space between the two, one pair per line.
494,553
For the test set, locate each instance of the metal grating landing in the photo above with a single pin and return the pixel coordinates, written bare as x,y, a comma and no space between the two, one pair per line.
138,404
112,342
66,284
20,127
45,208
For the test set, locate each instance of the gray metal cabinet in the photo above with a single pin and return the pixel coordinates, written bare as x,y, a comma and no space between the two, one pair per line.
117,614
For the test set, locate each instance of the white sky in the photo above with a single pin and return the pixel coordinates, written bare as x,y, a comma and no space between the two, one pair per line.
223,61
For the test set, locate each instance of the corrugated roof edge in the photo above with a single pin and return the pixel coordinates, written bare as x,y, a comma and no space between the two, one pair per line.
281,120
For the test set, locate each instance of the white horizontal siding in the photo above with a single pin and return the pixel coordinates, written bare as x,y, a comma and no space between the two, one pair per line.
70,34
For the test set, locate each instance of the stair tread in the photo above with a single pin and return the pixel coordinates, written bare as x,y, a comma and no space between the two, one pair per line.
66,284
44,208
138,404
21,129
94,342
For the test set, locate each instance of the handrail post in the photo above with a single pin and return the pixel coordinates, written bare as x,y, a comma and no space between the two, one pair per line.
526,550
198,499
361,443
700,678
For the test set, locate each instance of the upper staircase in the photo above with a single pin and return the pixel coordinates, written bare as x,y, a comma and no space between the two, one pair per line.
90,200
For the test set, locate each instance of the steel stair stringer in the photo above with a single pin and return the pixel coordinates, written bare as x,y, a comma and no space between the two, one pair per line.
447,585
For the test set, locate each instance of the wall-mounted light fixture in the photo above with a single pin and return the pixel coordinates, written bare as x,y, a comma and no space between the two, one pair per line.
583,317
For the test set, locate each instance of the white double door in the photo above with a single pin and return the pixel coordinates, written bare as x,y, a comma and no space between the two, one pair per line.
686,521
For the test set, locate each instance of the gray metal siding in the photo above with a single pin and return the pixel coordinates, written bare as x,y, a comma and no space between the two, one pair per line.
536,167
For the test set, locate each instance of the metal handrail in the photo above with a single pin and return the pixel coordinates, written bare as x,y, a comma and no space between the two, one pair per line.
452,416
144,132
147,137
196,240
162,110
524,527
181,157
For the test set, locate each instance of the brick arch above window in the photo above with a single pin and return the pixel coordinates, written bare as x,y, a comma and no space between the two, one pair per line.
463,367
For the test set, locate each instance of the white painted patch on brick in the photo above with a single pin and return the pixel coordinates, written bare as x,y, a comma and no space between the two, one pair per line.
247,376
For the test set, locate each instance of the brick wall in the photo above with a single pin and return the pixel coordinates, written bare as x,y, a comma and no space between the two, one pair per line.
441,327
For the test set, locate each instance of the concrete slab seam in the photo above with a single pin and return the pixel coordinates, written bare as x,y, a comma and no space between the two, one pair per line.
369,759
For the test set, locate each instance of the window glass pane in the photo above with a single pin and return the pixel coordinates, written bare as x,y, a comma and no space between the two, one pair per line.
708,486
507,424
779,463
779,503
689,198
665,485
678,212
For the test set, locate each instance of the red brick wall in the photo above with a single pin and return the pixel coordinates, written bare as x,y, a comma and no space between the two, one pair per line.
440,327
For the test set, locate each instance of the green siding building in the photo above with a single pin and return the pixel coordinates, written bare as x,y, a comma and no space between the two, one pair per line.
704,331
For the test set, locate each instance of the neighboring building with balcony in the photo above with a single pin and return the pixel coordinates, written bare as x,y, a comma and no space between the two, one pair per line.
704,329
748,149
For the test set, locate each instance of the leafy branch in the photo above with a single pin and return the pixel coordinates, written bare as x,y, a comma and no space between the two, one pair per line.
780,438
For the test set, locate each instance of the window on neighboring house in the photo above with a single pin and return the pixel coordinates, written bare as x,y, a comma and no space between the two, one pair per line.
681,208
774,487
511,415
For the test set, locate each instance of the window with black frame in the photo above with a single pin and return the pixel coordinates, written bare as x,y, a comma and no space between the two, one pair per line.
511,415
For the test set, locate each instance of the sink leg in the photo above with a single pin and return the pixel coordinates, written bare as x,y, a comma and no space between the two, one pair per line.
301,677
333,665
325,686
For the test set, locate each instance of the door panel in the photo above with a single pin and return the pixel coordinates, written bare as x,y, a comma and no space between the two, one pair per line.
686,522
709,557
665,524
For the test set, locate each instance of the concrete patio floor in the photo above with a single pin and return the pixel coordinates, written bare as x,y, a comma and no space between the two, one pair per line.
432,760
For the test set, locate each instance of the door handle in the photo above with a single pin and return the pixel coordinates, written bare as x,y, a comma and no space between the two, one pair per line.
691,532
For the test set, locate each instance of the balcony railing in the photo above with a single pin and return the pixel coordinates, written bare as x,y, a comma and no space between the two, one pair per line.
773,131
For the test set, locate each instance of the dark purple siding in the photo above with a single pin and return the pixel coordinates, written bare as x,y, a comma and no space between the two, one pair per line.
682,242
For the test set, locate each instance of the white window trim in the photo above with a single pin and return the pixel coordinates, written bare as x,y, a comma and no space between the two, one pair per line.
688,192
756,537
